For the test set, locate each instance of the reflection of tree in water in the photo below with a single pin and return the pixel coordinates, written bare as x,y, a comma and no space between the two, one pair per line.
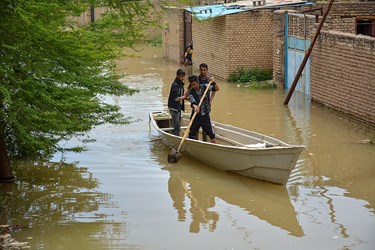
57,203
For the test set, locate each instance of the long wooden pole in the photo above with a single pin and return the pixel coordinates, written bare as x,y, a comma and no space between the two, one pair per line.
194,115
307,55
174,156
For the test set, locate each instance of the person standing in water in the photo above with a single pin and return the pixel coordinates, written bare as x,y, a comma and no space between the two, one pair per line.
188,56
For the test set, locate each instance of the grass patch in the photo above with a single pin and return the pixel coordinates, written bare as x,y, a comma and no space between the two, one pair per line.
259,85
250,75
372,140
156,42
253,78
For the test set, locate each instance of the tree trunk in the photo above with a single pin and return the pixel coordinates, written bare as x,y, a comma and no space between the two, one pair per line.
6,173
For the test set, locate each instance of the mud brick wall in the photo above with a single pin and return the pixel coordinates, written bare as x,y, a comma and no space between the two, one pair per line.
343,75
299,25
342,16
231,42
278,52
172,35
209,38
249,40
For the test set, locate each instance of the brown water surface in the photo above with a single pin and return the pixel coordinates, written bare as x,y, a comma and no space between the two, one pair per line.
123,194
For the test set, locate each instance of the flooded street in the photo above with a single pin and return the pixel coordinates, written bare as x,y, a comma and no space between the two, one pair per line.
123,194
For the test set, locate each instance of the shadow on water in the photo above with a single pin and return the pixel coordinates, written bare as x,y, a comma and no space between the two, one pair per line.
59,202
197,186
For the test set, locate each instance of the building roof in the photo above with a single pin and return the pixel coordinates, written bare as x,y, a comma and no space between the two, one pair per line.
211,11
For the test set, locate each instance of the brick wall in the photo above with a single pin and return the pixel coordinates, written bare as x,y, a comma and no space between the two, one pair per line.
173,36
230,42
85,17
249,40
210,45
342,16
278,49
343,75
299,25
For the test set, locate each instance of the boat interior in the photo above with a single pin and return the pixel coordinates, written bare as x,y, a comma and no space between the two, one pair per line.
225,134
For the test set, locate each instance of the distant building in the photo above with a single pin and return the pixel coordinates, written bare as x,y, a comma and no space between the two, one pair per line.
225,36
275,35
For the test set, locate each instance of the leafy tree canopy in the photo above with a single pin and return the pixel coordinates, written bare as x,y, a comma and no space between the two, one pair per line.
54,73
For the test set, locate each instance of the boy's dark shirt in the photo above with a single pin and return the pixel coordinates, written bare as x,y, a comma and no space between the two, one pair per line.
177,90
195,97
205,82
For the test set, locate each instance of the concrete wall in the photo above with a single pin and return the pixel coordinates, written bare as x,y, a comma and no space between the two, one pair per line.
343,75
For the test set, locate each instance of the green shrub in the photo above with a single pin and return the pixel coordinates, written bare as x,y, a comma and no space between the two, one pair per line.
259,85
253,78
250,75
157,42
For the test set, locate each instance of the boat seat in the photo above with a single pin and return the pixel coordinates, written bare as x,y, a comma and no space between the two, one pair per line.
236,143
171,128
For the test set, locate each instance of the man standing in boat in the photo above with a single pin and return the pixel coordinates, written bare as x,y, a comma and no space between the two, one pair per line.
203,79
176,100
202,118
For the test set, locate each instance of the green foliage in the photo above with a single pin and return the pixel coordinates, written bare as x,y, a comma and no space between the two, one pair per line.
254,78
372,141
260,85
54,75
157,42
249,75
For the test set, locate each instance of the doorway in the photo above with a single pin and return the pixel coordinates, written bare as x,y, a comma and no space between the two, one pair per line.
296,45
188,36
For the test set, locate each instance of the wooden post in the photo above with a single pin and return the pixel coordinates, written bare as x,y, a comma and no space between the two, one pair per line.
307,55
92,13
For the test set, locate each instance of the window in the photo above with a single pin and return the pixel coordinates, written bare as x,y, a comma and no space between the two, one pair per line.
366,26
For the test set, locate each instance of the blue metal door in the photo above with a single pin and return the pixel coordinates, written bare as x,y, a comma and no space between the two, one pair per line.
295,48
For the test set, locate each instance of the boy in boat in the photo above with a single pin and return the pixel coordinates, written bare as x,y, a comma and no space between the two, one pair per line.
203,79
176,100
202,118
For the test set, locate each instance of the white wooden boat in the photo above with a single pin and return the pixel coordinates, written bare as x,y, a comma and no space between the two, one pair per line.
237,150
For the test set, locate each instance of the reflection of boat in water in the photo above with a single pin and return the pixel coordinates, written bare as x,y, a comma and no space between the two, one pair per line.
237,150
202,186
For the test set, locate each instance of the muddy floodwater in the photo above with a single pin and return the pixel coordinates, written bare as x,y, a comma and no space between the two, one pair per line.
123,194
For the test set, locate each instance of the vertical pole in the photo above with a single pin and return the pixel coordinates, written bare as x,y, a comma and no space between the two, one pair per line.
184,23
92,13
307,55
286,31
